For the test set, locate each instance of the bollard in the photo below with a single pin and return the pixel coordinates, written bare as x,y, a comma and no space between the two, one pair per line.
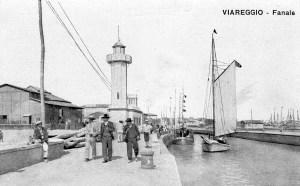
147,159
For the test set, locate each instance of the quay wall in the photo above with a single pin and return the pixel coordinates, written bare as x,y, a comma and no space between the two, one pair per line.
12,159
272,136
165,141
269,137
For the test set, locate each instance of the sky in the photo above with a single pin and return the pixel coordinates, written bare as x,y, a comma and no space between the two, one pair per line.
170,44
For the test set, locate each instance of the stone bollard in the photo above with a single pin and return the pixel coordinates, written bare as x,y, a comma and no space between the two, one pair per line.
147,159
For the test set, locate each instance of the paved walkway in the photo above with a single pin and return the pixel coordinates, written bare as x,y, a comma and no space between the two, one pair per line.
71,169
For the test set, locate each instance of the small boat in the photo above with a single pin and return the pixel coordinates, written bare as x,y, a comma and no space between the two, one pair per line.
184,137
223,90
210,145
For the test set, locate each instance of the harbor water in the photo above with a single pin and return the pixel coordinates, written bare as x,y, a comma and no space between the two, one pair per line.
247,163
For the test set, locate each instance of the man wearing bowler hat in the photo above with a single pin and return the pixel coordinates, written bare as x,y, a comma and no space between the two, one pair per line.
132,135
106,136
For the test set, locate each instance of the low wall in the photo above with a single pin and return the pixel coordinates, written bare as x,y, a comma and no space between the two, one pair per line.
167,140
13,159
268,137
16,126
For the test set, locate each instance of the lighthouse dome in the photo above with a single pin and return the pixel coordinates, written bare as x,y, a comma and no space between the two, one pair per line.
119,44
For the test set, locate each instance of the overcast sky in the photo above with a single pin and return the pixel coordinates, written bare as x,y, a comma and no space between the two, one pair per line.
170,44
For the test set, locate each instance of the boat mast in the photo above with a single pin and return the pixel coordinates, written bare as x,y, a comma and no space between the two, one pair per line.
213,77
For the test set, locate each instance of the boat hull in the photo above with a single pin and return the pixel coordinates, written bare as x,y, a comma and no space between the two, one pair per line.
183,141
209,145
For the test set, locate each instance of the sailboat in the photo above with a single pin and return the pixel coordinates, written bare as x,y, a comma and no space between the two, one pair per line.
183,135
223,89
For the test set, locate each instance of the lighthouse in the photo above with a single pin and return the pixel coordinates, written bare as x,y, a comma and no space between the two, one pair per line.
119,62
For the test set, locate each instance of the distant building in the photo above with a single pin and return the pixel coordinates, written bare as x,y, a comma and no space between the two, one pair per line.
251,124
152,118
95,109
122,104
22,106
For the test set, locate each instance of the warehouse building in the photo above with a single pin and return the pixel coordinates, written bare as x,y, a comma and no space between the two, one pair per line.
22,106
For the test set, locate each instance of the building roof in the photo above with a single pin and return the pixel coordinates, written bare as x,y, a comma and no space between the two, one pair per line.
50,99
48,95
16,87
132,95
96,114
150,114
96,106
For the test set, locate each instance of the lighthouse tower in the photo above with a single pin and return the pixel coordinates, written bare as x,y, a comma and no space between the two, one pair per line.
118,61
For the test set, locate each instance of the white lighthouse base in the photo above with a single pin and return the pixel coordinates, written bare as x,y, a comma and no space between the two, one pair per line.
118,114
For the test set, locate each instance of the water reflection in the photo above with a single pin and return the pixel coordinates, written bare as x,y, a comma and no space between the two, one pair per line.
247,163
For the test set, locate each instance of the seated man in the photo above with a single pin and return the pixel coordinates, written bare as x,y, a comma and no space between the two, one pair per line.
40,135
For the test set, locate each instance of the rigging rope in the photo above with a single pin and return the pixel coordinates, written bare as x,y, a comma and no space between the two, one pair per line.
65,13
205,110
70,34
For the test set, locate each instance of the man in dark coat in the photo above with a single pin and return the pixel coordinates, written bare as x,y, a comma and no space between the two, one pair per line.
106,137
40,135
132,135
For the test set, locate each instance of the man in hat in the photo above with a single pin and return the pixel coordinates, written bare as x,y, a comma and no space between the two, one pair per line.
40,135
90,139
120,127
147,130
106,136
132,135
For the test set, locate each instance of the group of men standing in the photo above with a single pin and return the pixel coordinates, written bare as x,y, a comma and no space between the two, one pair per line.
104,133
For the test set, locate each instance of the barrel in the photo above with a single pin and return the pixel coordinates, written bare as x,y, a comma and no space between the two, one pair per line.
147,159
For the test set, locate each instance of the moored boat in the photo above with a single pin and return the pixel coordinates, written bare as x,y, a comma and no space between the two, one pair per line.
184,137
210,145
223,89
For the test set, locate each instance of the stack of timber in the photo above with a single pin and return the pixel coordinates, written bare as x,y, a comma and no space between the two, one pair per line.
72,139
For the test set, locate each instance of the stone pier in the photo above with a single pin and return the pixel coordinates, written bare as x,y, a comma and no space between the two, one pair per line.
71,169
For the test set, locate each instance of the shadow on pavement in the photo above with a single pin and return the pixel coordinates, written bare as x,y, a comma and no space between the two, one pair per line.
116,157
63,154
98,157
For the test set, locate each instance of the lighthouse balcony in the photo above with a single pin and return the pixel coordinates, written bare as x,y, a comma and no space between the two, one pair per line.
110,58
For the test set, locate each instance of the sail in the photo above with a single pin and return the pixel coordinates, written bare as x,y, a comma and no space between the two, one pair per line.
225,101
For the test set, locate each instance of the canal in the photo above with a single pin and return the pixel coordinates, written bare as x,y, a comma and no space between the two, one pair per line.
247,163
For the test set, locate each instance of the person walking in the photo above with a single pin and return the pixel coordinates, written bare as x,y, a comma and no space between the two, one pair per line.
120,131
106,136
132,135
1,135
90,139
40,135
147,130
